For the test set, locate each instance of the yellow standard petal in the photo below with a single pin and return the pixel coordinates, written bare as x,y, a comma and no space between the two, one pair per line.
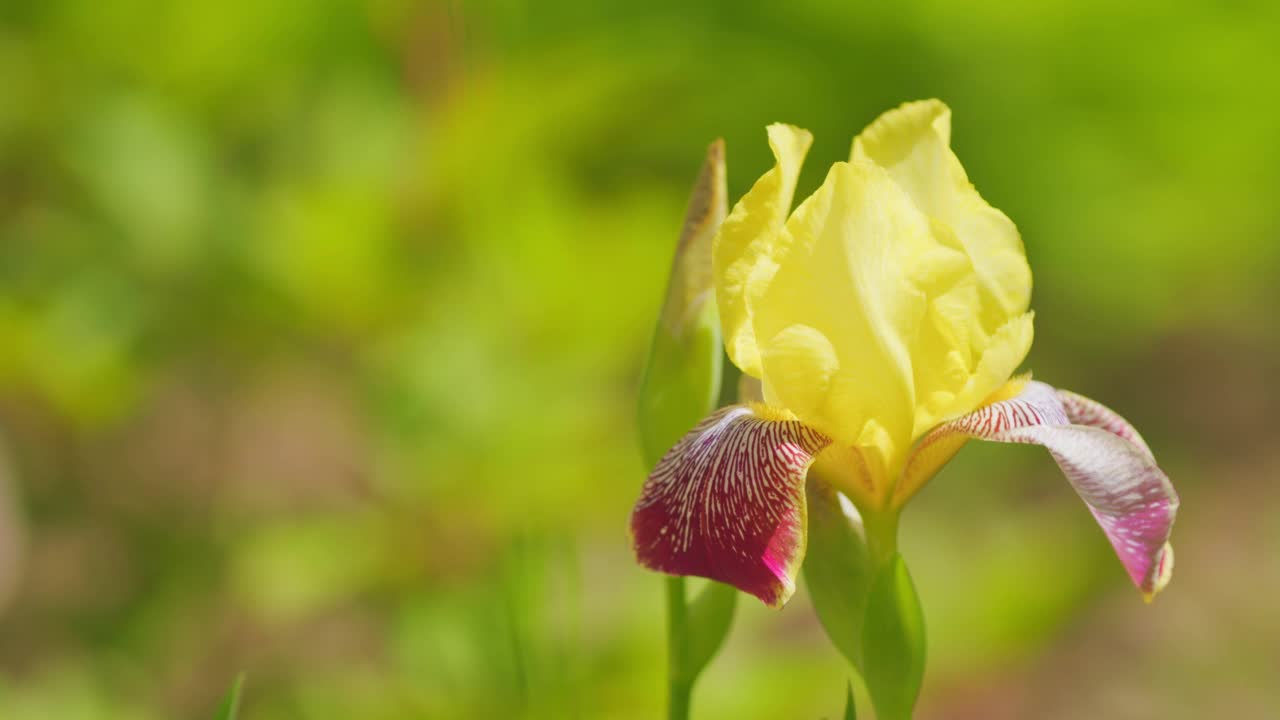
746,253
977,329
891,300
837,321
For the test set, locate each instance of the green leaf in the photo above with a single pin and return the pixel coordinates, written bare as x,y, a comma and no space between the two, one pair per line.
230,707
893,642
837,569
850,707
681,382
709,618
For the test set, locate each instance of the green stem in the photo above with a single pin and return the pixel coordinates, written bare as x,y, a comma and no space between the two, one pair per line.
679,687
882,536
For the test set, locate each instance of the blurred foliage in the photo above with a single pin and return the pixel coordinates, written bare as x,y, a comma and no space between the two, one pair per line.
322,325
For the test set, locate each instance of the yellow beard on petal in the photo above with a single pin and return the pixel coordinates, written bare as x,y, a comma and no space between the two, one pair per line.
771,413
1009,390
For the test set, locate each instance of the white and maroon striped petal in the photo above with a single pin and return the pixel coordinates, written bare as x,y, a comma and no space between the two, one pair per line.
1102,456
728,503
1083,411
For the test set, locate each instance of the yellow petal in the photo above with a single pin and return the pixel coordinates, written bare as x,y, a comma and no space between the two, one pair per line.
838,317
746,253
800,362
971,317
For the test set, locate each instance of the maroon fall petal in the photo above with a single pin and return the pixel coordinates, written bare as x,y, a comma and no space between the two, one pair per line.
728,502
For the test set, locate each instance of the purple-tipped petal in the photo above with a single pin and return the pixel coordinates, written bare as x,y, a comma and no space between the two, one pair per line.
1102,456
728,503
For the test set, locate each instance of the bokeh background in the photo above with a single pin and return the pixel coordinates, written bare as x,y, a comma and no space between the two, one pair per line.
321,325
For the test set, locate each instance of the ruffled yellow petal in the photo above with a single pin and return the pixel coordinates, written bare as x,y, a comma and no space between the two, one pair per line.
977,329
746,253
837,319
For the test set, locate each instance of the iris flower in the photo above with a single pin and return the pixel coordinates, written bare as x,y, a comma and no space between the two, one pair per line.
884,318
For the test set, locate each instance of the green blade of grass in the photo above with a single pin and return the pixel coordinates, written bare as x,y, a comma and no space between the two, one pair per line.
230,707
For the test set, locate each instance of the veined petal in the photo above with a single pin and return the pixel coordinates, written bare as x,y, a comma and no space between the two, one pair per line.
1083,411
746,253
728,502
1101,455
1017,401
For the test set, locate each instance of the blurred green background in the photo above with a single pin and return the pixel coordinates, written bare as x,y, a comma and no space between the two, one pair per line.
321,325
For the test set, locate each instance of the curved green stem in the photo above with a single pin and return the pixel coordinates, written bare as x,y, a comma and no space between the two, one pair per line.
679,686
